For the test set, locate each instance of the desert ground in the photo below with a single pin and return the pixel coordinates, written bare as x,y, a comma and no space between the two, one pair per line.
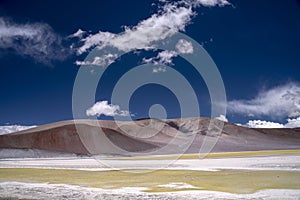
244,163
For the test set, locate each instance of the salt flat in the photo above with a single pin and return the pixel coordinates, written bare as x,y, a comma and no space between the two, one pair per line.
60,191
276,162
252,176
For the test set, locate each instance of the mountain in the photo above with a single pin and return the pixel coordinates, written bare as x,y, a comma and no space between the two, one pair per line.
149,136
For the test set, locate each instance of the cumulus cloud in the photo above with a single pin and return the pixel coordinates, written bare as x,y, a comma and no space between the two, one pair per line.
279,102
165,57
162,58
102,61
34,40
184,47
222,118
291,123
13,128
263,124
103,108
172,16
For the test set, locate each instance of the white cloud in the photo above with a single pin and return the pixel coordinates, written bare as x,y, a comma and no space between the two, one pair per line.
102,61
155,28
263,124
196,3
172,16
291,123
103,108
278,102
13,128
162,58
159,69
165,57
210,3
222,118
184,47
35,40
99,39
78,34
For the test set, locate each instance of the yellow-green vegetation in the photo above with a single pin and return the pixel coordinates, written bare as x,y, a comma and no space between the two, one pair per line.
233,181
216,155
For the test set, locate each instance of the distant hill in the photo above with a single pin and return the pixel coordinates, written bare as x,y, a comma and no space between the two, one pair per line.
142,136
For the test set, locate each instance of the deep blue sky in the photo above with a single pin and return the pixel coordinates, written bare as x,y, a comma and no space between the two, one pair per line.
255,44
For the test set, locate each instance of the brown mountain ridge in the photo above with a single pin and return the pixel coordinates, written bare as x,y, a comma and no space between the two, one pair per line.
147,136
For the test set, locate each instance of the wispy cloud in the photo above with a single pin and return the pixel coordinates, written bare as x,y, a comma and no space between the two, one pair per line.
100,39
157,27
104,108
162,58
34,40
102,61
278,102
166,57
196,3
171,17
40,42
209,3
78,34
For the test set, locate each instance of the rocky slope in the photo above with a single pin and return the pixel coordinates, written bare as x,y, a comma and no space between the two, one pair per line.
150,136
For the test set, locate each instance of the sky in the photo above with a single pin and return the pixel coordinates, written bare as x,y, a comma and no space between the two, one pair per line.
254,44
